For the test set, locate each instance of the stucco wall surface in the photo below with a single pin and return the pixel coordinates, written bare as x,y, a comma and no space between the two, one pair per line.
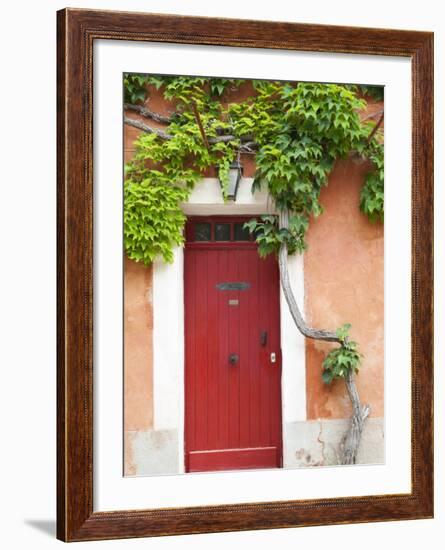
344,284
138,347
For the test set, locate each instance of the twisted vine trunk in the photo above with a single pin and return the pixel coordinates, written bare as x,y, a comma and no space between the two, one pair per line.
351,440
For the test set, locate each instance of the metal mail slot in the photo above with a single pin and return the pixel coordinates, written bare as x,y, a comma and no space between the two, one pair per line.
233,286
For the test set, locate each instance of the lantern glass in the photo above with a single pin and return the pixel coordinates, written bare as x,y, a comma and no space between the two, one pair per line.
235,174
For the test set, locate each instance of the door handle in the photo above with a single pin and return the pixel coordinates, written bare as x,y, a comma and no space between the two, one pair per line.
233,358
263,337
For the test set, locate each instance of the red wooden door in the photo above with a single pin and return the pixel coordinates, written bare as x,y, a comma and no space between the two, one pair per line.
232,350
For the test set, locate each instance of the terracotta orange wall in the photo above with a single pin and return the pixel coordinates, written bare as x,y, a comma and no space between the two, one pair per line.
138,347
343,274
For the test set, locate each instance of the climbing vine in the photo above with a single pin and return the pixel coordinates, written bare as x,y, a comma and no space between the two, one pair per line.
167,164
372,193
295,130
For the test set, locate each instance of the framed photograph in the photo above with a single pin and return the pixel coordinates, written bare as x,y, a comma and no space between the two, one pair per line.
244,337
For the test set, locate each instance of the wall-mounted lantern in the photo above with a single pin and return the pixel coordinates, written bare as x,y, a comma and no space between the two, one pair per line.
235,175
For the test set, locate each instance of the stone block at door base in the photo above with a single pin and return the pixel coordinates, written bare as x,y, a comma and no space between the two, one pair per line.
150,453
317,442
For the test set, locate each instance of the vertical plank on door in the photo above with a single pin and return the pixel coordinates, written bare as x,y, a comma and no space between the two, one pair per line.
245,347
276,416
213,366
189,339
234,339
223,328
201,341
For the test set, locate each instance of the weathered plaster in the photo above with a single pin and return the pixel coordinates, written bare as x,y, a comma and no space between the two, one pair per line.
138,346
344,283
153,452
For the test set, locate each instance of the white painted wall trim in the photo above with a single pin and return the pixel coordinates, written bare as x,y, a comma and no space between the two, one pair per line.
168,341
293,374
168,348
206,199
293,378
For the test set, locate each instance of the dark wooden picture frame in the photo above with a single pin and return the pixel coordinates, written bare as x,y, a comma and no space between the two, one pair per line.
77,31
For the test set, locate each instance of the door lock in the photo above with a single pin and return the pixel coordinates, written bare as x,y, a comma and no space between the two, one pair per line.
233,358
273,357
